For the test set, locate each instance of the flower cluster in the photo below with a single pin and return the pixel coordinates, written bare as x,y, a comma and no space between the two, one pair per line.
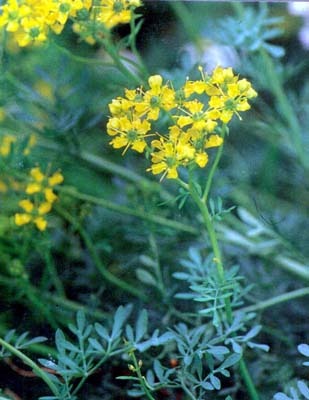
40,198
103,16
196,113
30,21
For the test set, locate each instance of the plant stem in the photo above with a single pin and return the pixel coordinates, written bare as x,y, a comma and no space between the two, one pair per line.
96,259
36,369
129,211
53,273
132,41
143,382
247,379
220,269
214,242
113,53
214,167
277,300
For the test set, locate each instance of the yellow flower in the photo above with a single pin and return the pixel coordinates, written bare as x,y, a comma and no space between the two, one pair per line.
27,205
156,98
22,219
40,223
213,141
44,208
41,198
50,195
128,133
33,187
55,179
37,174
196,117
6,145
114,12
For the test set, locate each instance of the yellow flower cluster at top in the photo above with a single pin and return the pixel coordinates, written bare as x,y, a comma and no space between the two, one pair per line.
196,113
30,21
40,198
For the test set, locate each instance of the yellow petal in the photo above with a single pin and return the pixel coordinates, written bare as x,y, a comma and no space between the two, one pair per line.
155,81
22,219
214,141
36,174
172,173
44,208
139,146
26,204
40,223
55,179
201,159
33,188
50,195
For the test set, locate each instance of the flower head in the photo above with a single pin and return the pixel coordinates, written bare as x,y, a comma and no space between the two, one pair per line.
196,113
40,198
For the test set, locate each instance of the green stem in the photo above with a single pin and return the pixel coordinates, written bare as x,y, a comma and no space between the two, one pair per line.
113,53
210,228
96,259
36,369
247,379
213,168
220,269
129,211
132,42
277,300
53,273
142,380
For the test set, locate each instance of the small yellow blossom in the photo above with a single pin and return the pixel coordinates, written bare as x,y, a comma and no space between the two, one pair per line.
44,208
50,195
55,179
40,198
129,133
158,97
22,219
6,143
27,205
37,174
33,187
40,223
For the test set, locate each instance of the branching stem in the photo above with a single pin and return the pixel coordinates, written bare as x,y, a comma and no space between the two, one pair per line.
36,369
